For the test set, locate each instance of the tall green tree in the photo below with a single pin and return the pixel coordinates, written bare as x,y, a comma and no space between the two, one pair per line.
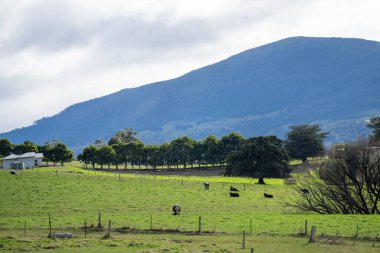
259,157
182,149
89,155
152,155
105,155
121,151
6,147
199,152
305,140
165,155
123,136
212,150
374,124
136,154
25,147
230,143
55,151
61,153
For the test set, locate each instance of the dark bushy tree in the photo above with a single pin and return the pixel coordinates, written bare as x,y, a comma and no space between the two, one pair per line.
182,149
259,157
230,143
304,141
212,150
348,183
26,147
123,136
105,155
374,124
55,151
89,155
6,147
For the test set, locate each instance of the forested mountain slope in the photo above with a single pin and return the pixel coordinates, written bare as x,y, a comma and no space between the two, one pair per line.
331,81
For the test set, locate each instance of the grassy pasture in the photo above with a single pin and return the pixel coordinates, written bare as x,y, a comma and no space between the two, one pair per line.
131,200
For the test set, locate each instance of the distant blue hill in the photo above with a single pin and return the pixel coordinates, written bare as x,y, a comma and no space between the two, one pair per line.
331,81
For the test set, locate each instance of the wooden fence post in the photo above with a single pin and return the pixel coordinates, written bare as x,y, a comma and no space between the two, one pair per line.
109,228
99,220
85,228
250,226
243,246
49,225
305,227
312,234
25,227
357,230
200,225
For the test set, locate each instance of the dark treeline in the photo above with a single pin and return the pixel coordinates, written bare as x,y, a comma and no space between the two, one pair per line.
263,156
53,151
125,149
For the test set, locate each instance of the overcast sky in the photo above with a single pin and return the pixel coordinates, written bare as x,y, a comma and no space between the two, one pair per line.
54,53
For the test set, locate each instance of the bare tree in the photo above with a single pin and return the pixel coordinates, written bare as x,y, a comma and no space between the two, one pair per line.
348,183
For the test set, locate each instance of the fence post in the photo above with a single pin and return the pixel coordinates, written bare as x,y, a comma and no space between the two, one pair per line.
49,225
109,228
250,226
357,230
305,227
243,246
25,227
200,225
312,234
85,228
99,220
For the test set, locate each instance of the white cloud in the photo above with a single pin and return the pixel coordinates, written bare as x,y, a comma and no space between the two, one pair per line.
56,53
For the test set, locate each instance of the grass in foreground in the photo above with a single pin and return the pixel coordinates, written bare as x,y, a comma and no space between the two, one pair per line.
182,243
134,200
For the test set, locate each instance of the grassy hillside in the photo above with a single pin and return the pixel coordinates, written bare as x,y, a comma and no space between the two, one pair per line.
131,201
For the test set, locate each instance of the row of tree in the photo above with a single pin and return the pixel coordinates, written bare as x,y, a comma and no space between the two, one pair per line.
181,151
258,156
54,151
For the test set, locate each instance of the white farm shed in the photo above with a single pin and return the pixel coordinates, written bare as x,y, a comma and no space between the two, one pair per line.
24,161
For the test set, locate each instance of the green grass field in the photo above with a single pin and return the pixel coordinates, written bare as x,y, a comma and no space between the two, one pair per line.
134,201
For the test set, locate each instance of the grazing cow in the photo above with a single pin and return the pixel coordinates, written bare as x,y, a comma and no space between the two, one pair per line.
176,209
13,172
233,189
207,186
268,195
234,194
305,191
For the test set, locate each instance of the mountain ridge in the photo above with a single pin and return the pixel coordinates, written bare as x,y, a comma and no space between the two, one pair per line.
256,92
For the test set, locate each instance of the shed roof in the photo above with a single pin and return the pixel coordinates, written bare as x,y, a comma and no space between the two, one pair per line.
25,155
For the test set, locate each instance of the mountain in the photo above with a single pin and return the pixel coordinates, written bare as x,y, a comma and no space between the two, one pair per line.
261,91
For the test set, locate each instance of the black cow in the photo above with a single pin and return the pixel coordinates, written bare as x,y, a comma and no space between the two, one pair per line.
233,189
234,194
176,209
13,172
268,195
305,191
207,185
